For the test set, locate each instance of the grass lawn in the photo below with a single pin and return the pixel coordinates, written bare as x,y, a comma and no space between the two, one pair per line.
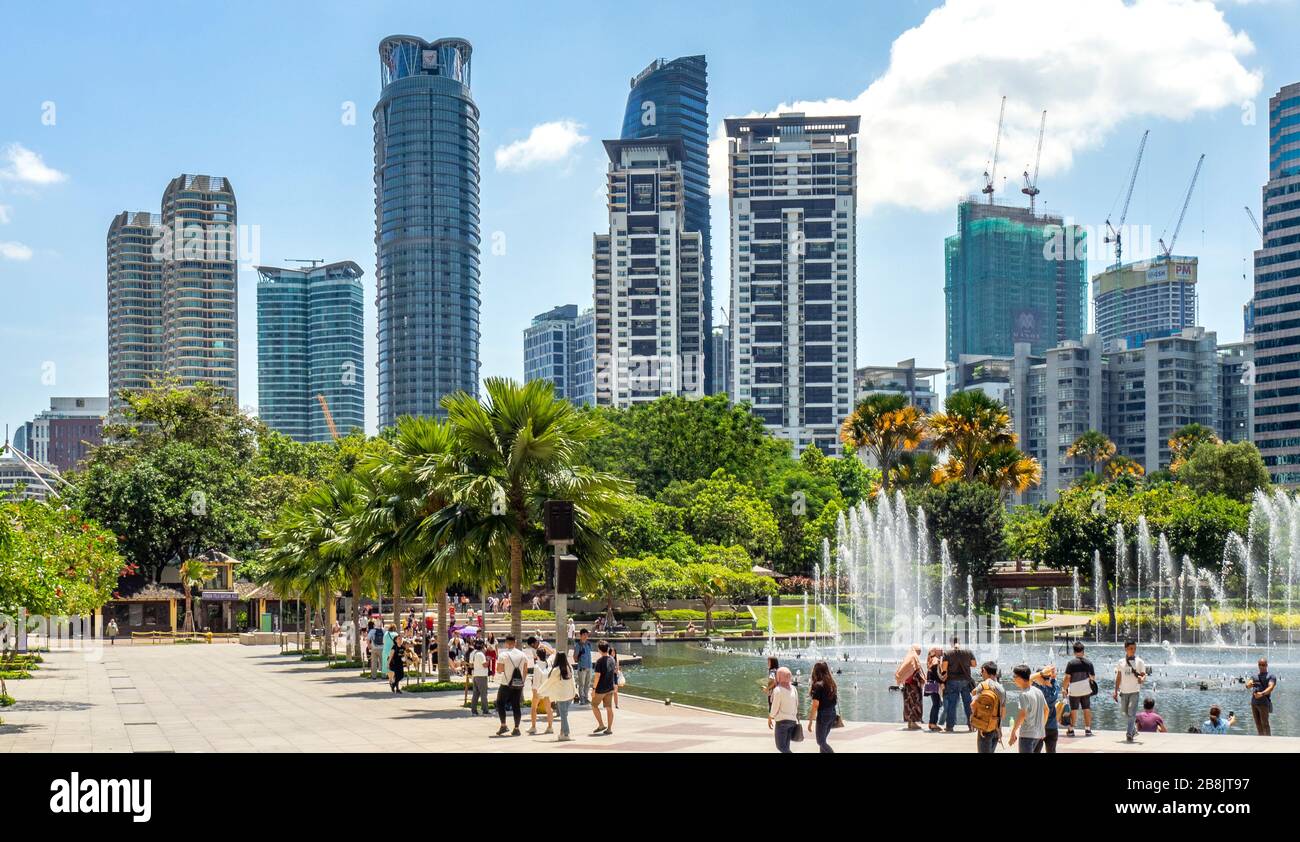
788,619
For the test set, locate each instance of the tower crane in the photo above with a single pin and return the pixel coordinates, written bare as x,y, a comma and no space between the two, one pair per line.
1031,184
991,174
329,419
1167,250
1113,234
1254,221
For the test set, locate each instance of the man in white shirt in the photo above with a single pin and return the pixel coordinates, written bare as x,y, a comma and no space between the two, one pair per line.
512,669
1130,675
479,676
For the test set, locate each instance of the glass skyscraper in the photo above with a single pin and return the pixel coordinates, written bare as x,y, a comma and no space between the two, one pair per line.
559,346
1005,283
1277,296
670,99
426,226
310,342
173,298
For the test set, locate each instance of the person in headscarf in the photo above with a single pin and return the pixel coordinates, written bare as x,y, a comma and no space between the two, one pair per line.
783,714
910,677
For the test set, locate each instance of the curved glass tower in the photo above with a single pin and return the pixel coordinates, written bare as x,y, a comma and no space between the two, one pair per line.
426,225
670,99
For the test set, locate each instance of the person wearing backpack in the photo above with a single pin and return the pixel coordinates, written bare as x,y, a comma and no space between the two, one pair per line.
512,666
987,709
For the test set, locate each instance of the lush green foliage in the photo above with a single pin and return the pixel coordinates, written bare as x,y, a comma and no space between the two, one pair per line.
679,440
1234,470
970,517
53,561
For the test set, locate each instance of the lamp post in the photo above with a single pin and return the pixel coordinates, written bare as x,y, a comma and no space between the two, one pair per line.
557,518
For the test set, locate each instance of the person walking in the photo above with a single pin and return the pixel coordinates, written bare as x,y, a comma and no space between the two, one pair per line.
386,646
1079,687
512,669
955,673
1148,721
823,713
537,677
910,677
112,631
1031,717
934,685
603,695
1045,681
582,666
783,716
987,709
1261,698
479,675
1130,675
396,665
374,645
559,689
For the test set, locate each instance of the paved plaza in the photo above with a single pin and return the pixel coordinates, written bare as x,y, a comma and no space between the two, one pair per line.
230,698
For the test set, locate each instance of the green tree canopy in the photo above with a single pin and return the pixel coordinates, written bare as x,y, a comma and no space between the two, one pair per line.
1235,470
724,510
676,439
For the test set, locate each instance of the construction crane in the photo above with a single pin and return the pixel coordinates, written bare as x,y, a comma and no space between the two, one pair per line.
1254,221
1186,201
312,262
991,174
1031,184
329,419
1113,234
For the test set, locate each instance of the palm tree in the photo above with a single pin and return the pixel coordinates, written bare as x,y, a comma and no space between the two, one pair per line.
1009,470
1185,440
1120,466
971,427
193,573
302,554
886,426
403,489
513,451
1093,447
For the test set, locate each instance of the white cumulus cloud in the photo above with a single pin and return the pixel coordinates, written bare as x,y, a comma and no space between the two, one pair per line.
929,121
20,164
6,214
14,251
547,143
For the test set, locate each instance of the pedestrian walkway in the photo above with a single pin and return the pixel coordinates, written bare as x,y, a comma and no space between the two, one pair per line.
252,699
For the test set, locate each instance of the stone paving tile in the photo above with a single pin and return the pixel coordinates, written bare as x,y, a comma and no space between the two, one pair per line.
242,699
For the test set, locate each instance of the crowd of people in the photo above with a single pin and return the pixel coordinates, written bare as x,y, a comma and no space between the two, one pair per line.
1044,705
587,674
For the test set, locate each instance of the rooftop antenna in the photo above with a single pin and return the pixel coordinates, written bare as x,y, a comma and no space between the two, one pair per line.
1186,201
1113,235
991,175
1031,184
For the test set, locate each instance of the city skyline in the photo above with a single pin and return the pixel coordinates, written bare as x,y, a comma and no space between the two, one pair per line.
524,157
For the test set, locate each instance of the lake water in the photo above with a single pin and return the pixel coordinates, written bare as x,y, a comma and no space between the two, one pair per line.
1186,680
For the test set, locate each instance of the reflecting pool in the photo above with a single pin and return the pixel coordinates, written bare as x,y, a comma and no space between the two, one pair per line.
1185,680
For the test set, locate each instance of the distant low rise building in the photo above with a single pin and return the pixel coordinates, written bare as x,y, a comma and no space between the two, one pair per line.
1137,397
63,435
916,384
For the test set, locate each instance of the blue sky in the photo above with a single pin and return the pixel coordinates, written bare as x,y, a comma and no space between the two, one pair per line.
257,92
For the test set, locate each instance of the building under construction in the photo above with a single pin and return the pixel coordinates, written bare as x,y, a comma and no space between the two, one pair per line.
1013,276
1146,299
